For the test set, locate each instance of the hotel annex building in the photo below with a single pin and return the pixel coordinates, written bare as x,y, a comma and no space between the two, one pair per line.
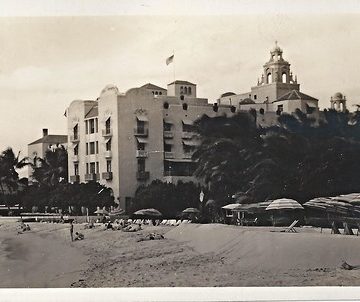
124,140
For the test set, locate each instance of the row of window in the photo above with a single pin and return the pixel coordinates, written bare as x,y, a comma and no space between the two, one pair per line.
186,148
185,127
185,90
215,106
92,168
92,126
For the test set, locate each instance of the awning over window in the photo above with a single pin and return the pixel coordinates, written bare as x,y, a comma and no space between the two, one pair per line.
142,118
76,145
188,122
191,143
142,140
107,140
168,121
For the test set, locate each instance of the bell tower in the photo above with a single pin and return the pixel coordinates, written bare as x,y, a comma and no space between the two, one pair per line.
276,80
277,70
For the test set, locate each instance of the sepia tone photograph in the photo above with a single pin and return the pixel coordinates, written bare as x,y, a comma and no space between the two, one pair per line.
192,145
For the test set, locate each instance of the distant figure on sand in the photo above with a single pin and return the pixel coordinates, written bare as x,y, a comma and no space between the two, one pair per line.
72,230
79,236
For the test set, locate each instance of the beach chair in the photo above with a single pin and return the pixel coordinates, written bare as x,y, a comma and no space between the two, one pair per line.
178,222
184,221
163,222
291,227
347,229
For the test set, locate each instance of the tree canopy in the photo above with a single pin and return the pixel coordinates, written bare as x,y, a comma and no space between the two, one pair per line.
299,158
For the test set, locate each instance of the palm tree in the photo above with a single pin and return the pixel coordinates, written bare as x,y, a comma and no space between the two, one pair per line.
9,177
52,169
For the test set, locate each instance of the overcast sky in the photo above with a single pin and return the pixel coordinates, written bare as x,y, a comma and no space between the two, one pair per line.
46,62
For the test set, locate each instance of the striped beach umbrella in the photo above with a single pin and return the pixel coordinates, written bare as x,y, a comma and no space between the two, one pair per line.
284,204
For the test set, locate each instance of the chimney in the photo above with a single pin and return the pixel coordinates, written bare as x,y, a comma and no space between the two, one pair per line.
45,132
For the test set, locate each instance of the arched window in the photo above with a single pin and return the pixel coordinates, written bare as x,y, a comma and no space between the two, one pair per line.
160,93
166,105
181,89
269,78
232,109
215,107
181,97
185,90
156,93
262,111
189,90
283,77
185,106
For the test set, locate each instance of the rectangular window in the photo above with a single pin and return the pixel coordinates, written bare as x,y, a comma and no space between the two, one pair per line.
76,169
76,132
92,126
108,166
76,150
167,127
108,145
96,147
188,149
92,148
140,126
96,125
167,147
107,125
87,148
97,167
255,96
87,127
92,168
141,165
87,168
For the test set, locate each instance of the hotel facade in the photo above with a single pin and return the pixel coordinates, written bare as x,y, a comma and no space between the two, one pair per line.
125,140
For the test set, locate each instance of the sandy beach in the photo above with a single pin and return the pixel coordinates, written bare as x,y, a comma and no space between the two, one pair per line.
190,255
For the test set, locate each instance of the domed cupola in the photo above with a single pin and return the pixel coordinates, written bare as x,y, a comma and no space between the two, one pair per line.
277,70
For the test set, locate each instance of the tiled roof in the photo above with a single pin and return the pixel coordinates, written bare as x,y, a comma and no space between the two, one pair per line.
295,95
152,86
182,82
52,139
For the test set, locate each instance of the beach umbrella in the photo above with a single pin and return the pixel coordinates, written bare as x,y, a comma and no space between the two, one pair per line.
148,212
191,211
117,211
284,204
231,206
101,211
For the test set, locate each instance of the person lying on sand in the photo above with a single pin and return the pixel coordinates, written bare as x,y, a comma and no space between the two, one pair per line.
152,236
79,236
132,228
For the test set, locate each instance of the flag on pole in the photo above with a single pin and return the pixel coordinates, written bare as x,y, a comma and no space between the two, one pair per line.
169,59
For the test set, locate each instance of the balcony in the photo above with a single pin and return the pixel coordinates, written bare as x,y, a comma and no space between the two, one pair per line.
141,131
108,154
142,175
187,135
168,134
75,158
107,176
92,177
74,138
187,155
168,155
74,178
141,153
107,132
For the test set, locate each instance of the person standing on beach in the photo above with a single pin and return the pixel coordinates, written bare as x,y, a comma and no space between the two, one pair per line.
72,230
